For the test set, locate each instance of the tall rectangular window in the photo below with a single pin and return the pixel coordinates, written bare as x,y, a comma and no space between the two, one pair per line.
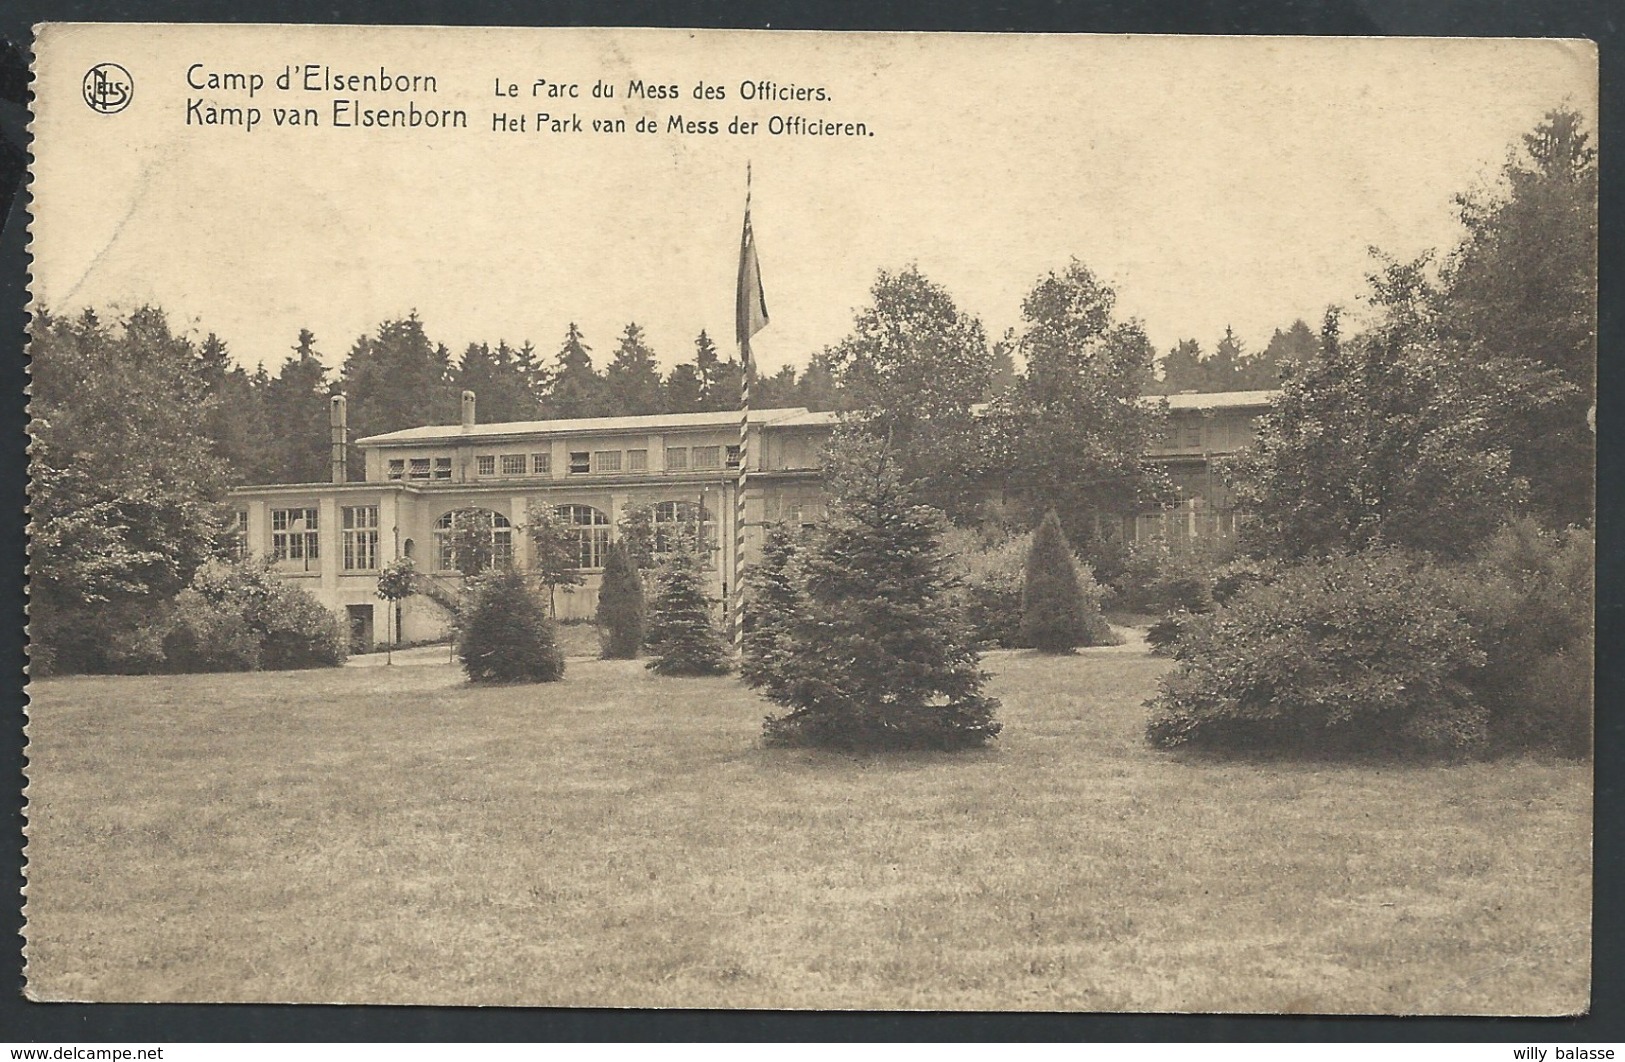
733,457
513,464
637,460
1193,435
294,535
606,461
239,534
541,464
707,457
442,468
360,538
485,465
676,458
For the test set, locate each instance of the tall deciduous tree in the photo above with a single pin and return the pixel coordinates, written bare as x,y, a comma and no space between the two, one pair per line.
555,552
1388,438
1521,288
911,370
1071,434
125,490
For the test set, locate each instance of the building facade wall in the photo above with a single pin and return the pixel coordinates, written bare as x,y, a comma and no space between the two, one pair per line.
361,526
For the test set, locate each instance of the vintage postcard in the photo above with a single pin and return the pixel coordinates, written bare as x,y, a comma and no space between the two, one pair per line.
734,519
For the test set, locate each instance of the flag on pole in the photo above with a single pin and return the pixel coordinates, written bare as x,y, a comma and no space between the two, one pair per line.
750,317
750,305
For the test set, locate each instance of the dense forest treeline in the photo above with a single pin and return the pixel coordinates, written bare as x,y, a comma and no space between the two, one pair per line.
272,428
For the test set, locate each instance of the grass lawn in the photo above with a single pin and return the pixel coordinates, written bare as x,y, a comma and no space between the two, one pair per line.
393,835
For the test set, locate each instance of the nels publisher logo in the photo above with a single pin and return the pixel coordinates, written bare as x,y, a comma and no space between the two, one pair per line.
108,88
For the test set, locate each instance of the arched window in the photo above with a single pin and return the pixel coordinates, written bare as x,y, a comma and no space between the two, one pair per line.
591,529
682,521
472,540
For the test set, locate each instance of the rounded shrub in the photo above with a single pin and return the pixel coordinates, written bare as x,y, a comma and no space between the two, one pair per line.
293,628
1355,655
505,634
206,636
296,631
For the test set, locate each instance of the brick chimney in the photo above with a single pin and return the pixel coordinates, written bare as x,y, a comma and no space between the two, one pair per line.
338,420
468,409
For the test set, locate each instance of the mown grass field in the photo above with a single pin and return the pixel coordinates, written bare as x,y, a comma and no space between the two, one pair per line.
390,834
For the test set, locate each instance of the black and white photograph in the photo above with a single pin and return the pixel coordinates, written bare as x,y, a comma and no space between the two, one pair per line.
790,521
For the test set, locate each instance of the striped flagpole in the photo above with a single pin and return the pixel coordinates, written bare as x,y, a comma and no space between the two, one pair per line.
738,611
750,317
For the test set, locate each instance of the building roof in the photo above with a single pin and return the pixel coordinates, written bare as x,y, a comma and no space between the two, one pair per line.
1220,400
579,426
804,419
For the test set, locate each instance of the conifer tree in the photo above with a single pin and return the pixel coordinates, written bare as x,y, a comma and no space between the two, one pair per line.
774,602
296,411
880,656
397,378
1054,613
683,636
631,382
620,606
577,388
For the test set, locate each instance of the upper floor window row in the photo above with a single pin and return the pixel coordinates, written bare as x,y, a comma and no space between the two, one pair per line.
581,462
420,469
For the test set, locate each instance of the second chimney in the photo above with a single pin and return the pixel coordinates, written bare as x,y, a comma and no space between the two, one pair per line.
468,409
338,420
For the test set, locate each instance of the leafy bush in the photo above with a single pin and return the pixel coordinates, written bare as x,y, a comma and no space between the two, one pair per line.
989,568
1357,654
234,617
294,629
1529,596
620,606
683,636
1055,615
506,634
205,635
1157,579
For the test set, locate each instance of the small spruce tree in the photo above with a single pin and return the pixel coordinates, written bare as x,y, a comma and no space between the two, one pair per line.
880,655
774,601
683,638
620,606
1054,613
504,633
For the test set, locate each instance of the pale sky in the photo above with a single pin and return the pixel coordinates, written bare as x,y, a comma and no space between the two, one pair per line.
1212,181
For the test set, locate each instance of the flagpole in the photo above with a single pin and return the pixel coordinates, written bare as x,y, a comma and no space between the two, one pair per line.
743,333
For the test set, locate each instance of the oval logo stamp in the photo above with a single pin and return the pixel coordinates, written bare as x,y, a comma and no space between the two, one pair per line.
108,88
